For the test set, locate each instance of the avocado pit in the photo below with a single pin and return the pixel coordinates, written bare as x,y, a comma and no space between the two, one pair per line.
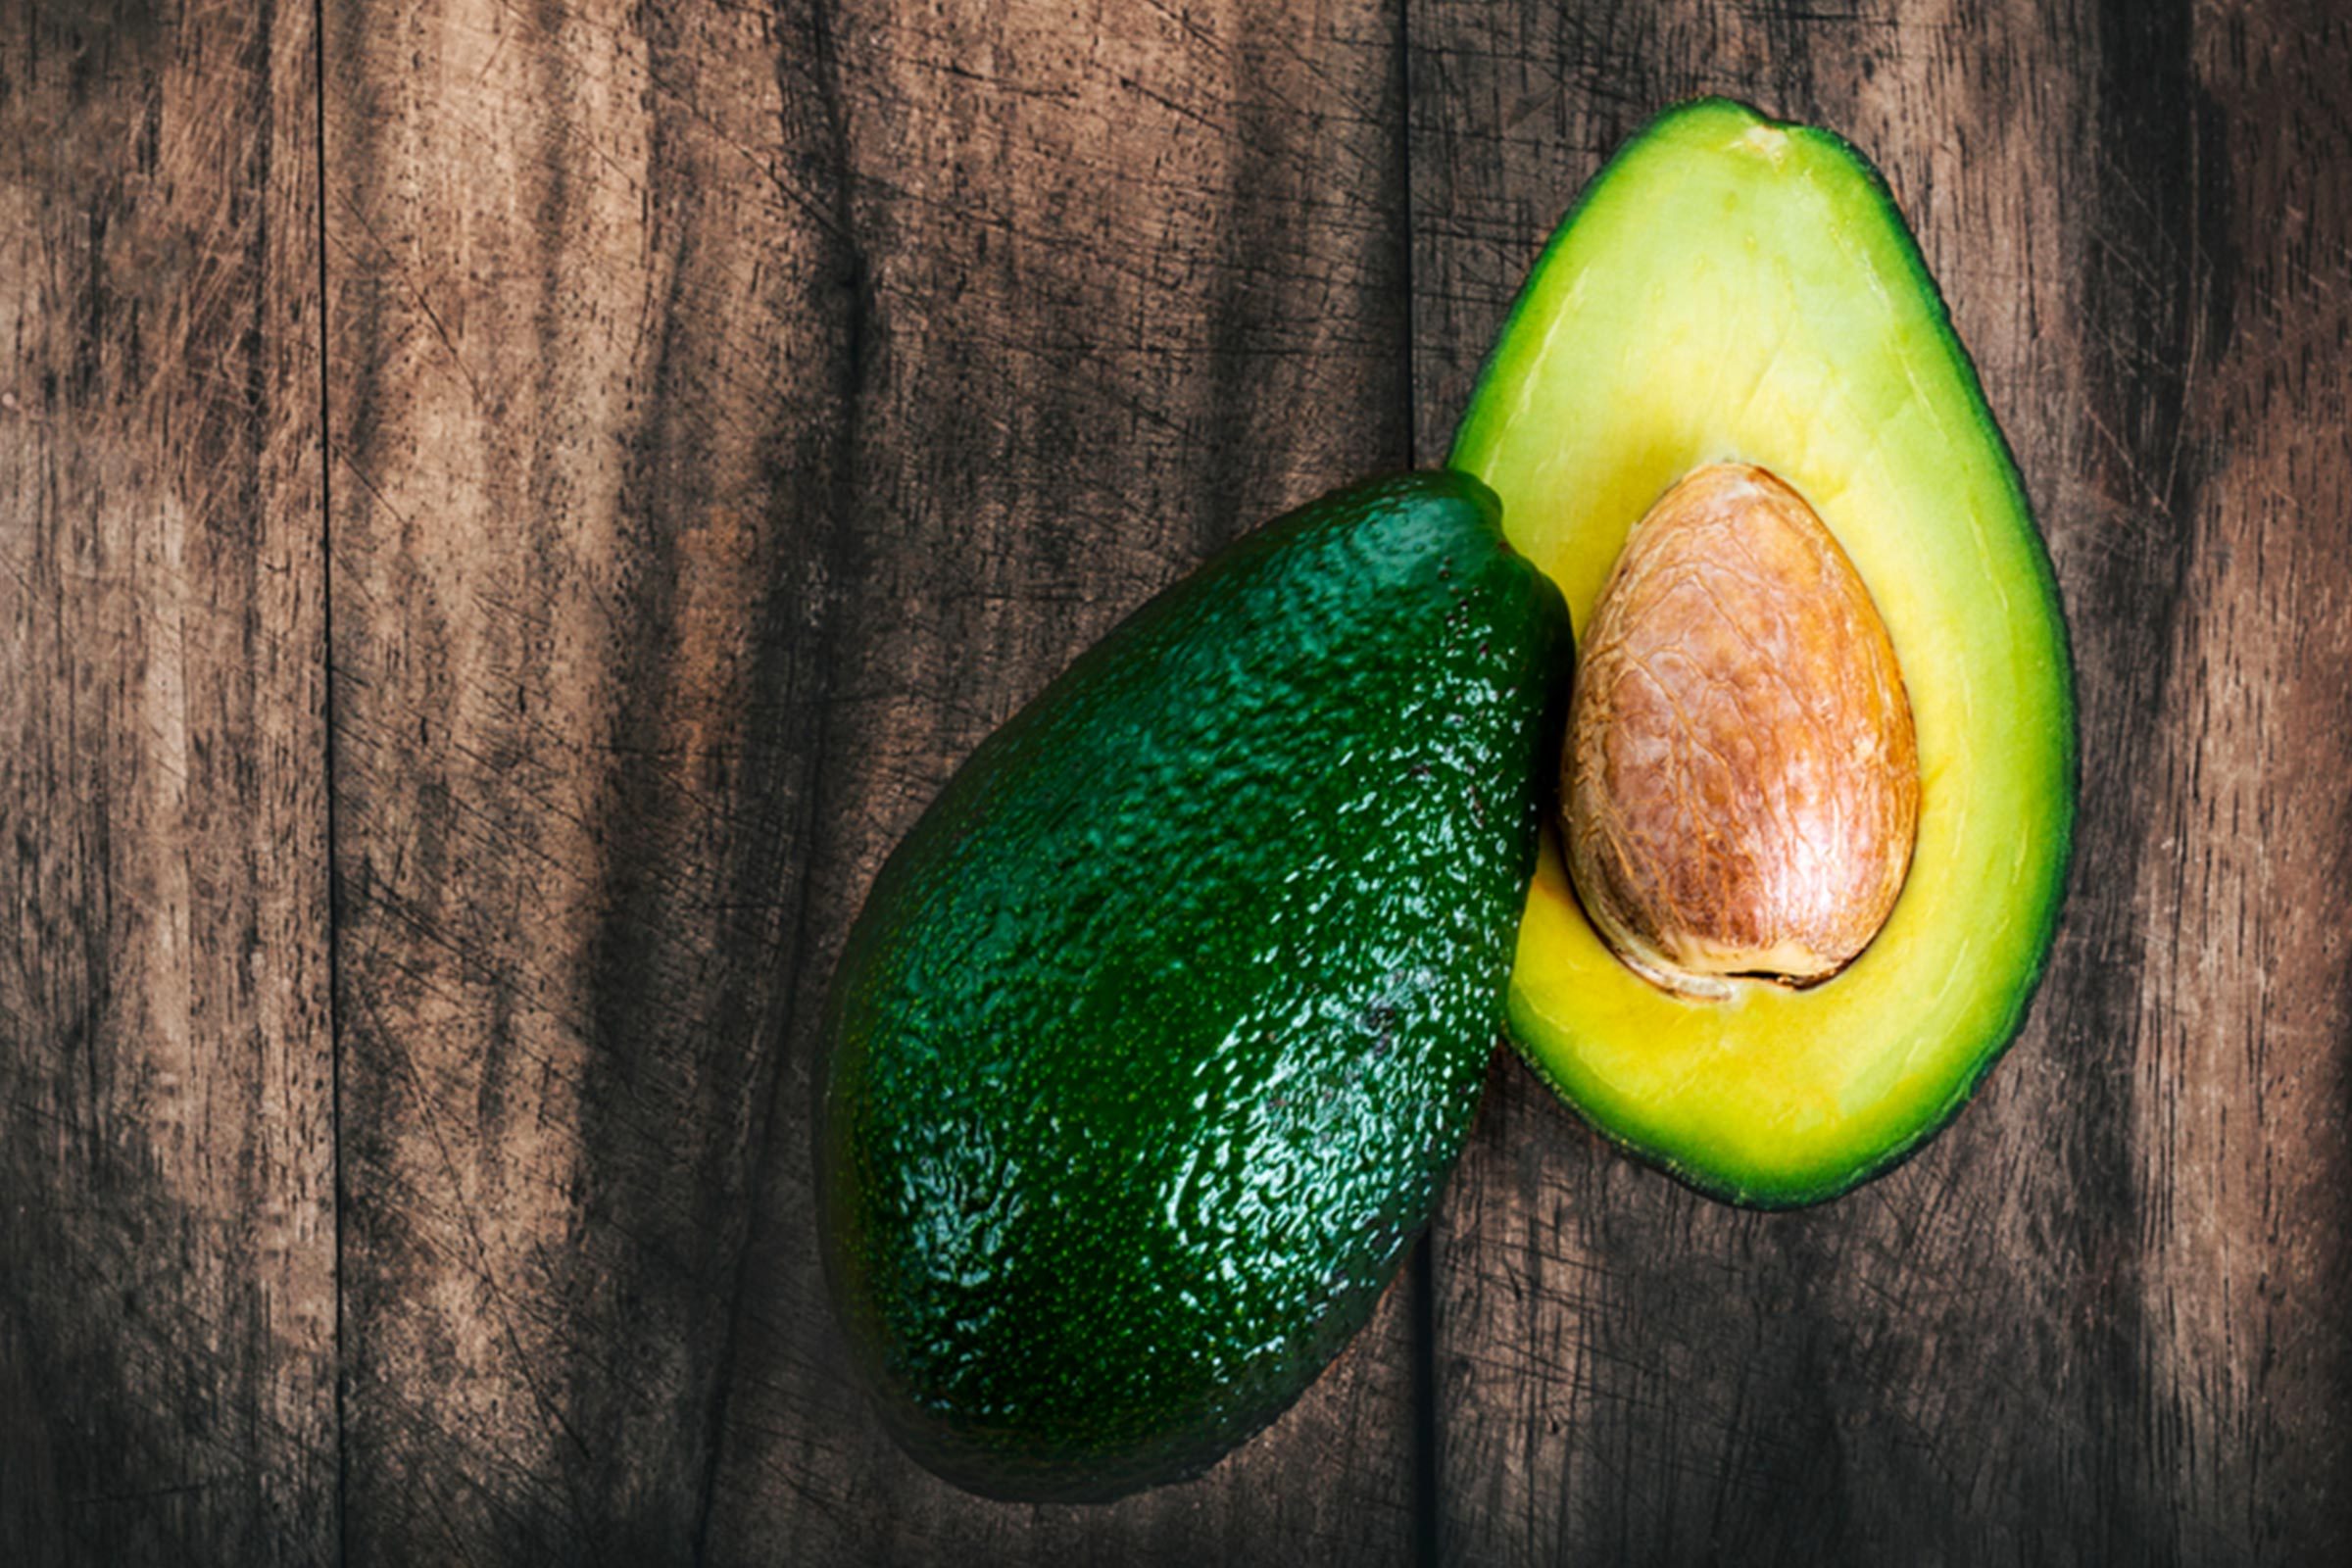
1741,774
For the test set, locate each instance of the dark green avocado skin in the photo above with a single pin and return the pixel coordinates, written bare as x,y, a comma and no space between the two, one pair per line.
1159,1033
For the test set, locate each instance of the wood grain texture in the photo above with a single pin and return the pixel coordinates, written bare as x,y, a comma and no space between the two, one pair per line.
487,574
2244,1104
1128,281
591,325
167,1162
2053,1335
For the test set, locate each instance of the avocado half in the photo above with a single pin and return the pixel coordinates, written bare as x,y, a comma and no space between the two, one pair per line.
1729,288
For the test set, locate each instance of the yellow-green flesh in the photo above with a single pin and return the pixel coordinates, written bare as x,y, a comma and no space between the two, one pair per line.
1735,289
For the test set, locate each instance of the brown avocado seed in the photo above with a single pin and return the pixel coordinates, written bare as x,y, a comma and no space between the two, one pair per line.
1741,778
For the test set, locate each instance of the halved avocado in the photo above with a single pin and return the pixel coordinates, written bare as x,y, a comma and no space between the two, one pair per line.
1733,289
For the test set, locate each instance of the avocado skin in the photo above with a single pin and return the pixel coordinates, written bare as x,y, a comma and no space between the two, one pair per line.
1159,1033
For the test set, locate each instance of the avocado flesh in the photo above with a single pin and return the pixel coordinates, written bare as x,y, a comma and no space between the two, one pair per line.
1733,289
1158,1034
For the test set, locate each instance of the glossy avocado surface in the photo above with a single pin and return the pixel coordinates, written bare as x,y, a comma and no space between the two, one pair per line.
1159,1032
1730,289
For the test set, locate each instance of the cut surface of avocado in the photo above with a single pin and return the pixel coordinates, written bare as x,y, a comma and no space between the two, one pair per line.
1731,289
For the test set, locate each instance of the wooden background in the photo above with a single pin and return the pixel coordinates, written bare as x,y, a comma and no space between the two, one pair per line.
508,509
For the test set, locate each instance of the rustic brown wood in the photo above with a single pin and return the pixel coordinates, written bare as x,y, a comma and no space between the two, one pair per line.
167,1163
592,328
715,419
2065,1331
685,533
2244,1095
1128,281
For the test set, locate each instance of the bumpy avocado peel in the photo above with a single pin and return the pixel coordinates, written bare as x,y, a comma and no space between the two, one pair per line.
1161,1029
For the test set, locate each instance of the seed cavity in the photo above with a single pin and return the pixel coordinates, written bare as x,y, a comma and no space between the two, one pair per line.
1741,791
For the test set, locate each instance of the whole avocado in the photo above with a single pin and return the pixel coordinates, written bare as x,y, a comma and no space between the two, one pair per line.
1159,1033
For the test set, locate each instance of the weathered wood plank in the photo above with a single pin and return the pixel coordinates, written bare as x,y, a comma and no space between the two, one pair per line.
2244,1124
167,1166
592,326
734,415
2058,1331
1130,279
